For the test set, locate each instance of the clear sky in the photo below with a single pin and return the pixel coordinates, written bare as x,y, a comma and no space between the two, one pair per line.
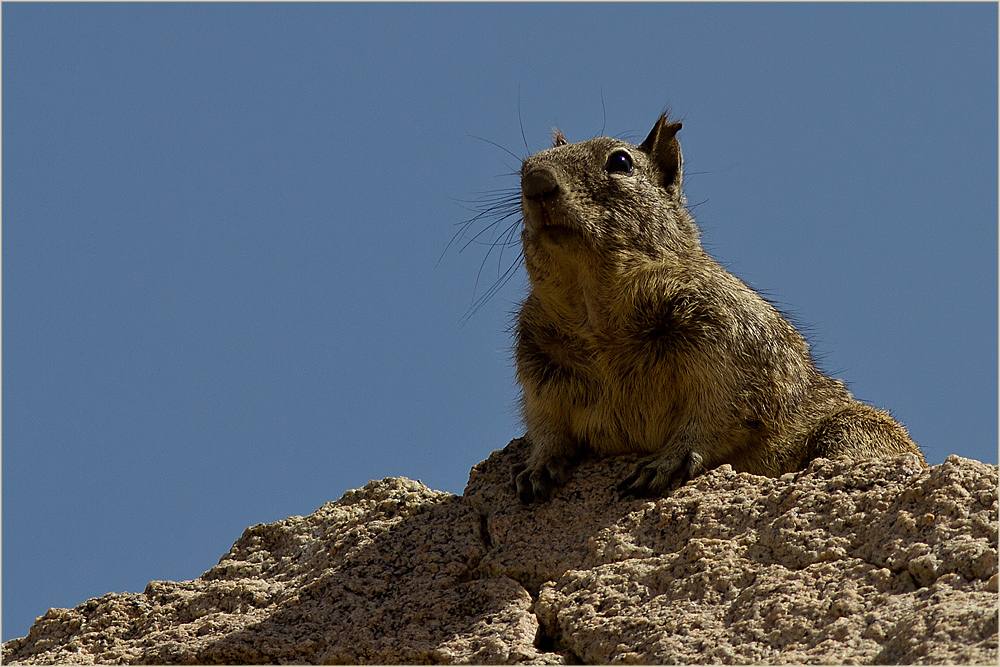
222,302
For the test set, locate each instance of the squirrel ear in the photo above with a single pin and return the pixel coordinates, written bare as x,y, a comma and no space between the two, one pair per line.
662,146
557,138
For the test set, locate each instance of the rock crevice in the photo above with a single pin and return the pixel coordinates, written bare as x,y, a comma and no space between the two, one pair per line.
844,562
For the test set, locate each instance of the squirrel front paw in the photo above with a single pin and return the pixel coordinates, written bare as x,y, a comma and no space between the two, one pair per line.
655,475
535,479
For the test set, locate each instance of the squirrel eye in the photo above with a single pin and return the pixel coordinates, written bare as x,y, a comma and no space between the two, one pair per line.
620,162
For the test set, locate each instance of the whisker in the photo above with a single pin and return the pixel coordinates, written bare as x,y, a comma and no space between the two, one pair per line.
508,242
491,224
499,203
501,279
487,228
519,123
493,143
497,286
604,112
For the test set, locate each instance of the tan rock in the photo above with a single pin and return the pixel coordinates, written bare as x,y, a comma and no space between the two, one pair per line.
844,562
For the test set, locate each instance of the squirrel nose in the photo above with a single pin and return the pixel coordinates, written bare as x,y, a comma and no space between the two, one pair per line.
538,184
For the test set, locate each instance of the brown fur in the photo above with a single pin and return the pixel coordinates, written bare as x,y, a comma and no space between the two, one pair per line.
633,339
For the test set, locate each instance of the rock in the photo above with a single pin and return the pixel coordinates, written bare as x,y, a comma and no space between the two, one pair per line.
844,562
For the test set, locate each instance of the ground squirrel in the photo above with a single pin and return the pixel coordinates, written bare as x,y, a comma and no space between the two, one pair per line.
632,339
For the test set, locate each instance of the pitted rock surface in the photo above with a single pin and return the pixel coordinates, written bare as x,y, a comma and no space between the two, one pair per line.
844,562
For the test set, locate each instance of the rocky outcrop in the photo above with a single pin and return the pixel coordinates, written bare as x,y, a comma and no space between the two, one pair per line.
844,562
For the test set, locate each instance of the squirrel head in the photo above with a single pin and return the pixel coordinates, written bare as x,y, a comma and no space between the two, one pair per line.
604,203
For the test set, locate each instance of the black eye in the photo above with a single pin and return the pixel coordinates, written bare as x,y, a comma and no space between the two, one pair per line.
620,162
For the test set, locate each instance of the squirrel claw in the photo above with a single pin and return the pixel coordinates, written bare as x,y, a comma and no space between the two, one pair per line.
534,481
654,476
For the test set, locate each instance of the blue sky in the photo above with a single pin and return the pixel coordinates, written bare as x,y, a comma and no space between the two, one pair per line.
222,302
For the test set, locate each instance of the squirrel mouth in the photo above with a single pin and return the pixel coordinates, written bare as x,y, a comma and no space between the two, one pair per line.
546,219
543,221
